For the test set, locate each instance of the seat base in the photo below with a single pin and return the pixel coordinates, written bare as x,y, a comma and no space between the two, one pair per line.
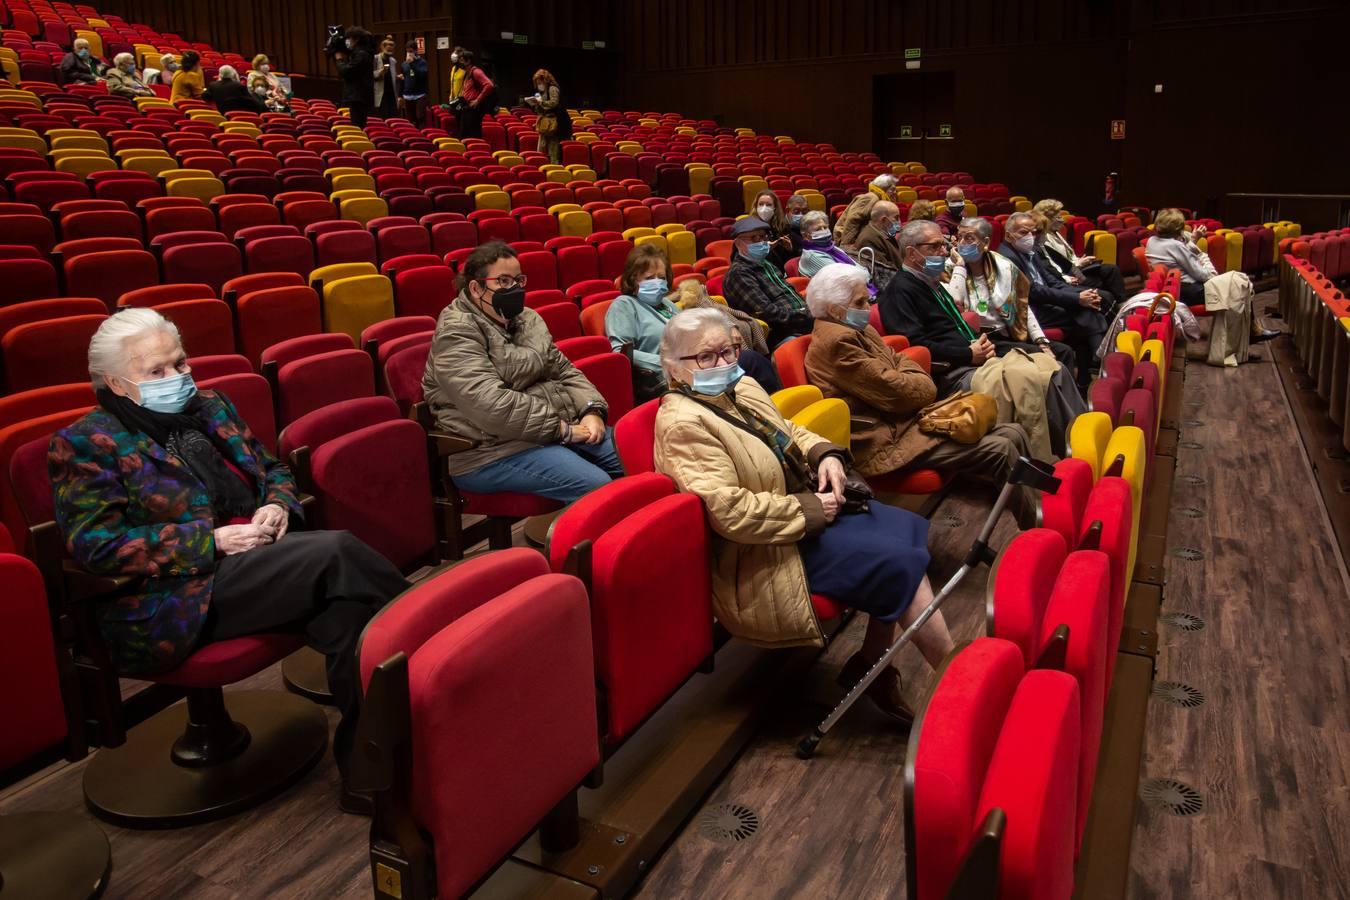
52,854
137,785
305,672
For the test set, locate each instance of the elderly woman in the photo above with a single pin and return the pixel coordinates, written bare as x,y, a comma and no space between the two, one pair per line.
769,210
188,81
121,78
80,66
168,64
166,484
637,318
1085,270
990,286
886,391
819,250
230,95
784,526
495,378
265,86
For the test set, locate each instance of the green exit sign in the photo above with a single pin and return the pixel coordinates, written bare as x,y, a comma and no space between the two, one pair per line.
588,45
913,52
944,130
522,39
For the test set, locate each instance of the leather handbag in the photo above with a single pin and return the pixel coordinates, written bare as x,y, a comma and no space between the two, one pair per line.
964,417
547,125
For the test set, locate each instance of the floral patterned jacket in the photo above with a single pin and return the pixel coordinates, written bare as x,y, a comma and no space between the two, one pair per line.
125,506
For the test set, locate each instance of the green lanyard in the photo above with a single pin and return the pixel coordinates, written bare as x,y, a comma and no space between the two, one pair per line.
940,294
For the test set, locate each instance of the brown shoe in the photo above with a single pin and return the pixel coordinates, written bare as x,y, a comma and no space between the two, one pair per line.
885,692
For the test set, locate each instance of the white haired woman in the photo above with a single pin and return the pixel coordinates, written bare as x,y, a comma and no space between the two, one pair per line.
230,94
819,249
166,484
886,391
122,80
787,518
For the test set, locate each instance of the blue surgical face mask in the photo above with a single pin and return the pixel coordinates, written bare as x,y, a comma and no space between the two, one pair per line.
857,318
714,381
651,290
169,394
758,251
84,53
893,229
934,266
796,218
968,251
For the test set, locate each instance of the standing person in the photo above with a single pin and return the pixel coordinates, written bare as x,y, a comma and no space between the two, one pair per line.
386,77
355,68
230,95
79,66
477,92
188,82
554,124
454,101
414,99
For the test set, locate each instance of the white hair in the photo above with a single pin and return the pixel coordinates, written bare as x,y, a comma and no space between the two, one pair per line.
108,346
80,44
683,332
815,215
885,182
833,286
121,58
228,73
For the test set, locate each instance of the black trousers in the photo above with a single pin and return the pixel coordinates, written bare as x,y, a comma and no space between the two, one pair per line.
1084,328
416,111
324,584
471,120
359,111
1106,277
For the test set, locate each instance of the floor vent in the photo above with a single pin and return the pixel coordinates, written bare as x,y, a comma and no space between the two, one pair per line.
1190,445
1172,797
1193,480
951,520
1178,693
1192,512
1194,423
1184,621
1190,554
728,823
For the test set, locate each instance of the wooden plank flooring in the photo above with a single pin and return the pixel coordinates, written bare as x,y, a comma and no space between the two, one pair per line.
1269,750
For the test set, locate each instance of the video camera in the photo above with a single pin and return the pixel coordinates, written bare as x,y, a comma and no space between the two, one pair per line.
337,39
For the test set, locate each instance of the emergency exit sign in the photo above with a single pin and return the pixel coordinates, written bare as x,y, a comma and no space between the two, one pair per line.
913,52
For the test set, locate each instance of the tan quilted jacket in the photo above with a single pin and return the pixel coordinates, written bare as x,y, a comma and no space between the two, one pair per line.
759,584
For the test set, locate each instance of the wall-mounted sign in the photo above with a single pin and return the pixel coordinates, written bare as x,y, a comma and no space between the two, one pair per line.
522,39
508,35
588,45
906,131
421,45
442,43
944,130
599,45
1117,129
913,52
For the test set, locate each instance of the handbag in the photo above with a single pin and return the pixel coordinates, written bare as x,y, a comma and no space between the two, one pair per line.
964,417
547,125
881,272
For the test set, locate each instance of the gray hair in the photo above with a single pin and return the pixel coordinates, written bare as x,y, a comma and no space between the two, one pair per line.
166,59
108,346
833,286
981,226
913,233
957,188
814,215
228,73
123,58
80,43
881,209
683,331
1017,217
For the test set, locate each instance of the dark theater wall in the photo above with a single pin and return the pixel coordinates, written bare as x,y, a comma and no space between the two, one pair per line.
1036,85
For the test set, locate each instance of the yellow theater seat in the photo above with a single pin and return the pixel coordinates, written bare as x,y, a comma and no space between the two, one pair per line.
153,162
1088,436
76,139
815,200
700,179
750,186
1131,342
492,200
1126,456
350,305
353,181
324,274
558,209
85,165
363,209
22,139
793,400
1101,244
632,234
656,239
574,223
669,228
681,248
350,194
201,188
827,418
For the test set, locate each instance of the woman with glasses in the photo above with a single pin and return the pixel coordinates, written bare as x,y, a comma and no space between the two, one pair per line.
788,519
495,378
989,285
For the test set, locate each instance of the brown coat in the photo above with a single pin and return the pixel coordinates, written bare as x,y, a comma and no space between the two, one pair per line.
886,249
882,389
758,581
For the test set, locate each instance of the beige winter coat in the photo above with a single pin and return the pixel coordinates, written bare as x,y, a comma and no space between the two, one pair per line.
758,581
504,389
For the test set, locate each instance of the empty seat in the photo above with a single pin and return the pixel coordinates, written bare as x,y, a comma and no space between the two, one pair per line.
54,351
26,279
315,381
279,253
271,315
351,304
212,264
111,273
424,291
345,247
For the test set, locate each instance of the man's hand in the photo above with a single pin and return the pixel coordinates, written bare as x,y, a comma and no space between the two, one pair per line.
1090,298
981,350
274,516
232,539
831,475
1046,348
596,428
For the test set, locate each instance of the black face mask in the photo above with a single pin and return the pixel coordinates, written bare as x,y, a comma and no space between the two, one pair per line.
508,302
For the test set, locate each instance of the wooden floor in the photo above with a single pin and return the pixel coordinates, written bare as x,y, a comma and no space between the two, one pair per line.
1268,751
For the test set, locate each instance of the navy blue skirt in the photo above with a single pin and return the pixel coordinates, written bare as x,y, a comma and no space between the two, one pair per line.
872,561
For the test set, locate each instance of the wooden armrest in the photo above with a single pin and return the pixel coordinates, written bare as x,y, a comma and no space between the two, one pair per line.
84,585
978,875
448,444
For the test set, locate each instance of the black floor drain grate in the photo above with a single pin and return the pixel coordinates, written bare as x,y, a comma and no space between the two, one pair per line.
1189,554
1193,480
1190,445
1178,693
728,823
951,520
1192,512
1183,620
1173,797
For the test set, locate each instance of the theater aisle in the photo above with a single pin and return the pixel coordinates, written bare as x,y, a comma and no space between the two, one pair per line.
1268,750
834,826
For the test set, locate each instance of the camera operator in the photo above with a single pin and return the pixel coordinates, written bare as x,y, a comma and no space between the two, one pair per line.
355,65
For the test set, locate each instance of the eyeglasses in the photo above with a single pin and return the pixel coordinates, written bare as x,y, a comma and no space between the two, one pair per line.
710,358
505,282
941,243
967,239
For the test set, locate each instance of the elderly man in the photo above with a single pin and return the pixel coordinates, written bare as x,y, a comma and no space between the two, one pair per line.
230,94
883,224
950,218
79,65
754,285
166,484
1075,310
122,80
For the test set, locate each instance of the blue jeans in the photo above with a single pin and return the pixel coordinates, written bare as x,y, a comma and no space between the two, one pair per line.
557,471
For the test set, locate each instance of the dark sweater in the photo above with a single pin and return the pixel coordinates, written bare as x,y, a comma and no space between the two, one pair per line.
912,308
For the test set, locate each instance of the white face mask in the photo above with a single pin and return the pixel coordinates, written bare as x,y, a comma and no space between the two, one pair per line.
765,212
821,235
454,57
264,68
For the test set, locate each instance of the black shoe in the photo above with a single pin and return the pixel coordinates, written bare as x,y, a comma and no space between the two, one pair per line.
1265,334
884,693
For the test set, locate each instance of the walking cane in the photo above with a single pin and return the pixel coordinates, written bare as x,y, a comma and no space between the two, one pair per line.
1025,473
